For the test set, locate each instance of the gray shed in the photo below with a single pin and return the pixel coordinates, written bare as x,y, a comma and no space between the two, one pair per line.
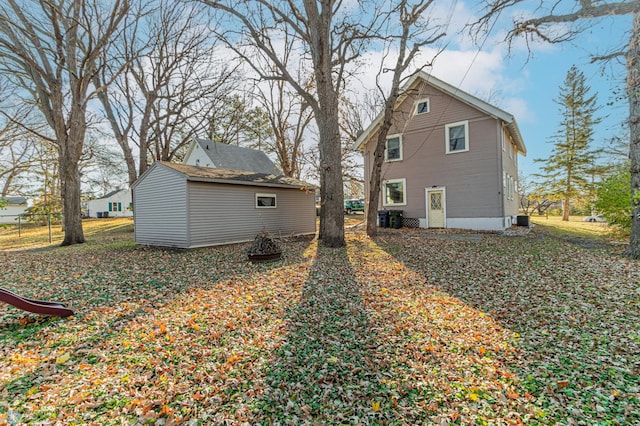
178,205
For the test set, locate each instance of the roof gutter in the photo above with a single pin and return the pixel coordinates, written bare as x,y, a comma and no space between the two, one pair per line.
247,183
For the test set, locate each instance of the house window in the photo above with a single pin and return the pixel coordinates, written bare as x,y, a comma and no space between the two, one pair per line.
457,137
115,207
394,192
423,106
393,151
265,201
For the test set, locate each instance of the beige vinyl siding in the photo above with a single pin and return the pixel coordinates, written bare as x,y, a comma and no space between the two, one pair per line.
222,214
160,215
472,179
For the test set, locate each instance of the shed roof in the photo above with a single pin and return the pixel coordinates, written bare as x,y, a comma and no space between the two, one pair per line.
423,77
232,157
233,177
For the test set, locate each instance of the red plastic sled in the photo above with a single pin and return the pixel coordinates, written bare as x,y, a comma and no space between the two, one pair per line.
36,306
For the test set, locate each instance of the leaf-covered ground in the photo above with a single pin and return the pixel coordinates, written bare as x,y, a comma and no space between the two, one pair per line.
415,327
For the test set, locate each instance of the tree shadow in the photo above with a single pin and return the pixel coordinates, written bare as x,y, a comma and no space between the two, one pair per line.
568,304
326,369
136,308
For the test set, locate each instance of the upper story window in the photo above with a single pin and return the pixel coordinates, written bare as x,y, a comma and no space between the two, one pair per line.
393,151
265,201
457,137
423,107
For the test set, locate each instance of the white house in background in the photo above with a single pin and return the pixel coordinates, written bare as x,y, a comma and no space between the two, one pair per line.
179,205
117,203
205,153
17,206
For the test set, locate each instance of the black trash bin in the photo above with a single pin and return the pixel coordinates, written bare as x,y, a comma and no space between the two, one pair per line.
395,219
523,220
105,214
383,218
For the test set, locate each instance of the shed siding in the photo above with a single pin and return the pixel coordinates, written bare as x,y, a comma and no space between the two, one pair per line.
472,179
222,214
160,216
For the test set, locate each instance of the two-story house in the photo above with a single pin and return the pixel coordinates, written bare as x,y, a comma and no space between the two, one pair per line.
451,159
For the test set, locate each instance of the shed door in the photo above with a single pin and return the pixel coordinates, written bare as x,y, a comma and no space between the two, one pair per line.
435,208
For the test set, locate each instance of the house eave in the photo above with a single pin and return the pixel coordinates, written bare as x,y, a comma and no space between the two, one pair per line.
455,92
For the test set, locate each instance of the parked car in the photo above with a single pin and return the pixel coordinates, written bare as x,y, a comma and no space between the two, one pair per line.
594,218
352,206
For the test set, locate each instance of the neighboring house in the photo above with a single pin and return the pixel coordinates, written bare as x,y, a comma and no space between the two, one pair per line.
16,206
115,204
451,159
218,155
179,205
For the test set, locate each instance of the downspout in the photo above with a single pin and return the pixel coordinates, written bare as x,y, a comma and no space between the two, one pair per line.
501,176
188,210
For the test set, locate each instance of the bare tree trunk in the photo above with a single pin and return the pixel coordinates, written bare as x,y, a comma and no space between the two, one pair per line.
327,116
331,188
376,170
633,88
566,207
72,221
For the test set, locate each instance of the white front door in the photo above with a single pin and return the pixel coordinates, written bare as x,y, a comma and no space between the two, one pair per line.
435,208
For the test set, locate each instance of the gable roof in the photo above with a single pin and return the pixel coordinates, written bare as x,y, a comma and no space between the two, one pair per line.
233,177
232,157
15,199
110,194
422,77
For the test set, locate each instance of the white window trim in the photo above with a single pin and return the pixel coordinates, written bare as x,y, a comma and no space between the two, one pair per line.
258,194
428,101
399,136
384,192
464,123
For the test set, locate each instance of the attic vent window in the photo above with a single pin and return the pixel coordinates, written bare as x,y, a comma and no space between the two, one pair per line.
207,146
422,107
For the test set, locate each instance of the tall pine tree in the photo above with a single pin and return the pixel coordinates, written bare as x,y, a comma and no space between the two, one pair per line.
566,172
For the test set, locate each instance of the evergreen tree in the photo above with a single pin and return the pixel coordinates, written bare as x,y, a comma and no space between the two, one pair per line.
566,172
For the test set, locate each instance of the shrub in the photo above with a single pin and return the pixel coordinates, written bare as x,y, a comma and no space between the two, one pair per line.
613,198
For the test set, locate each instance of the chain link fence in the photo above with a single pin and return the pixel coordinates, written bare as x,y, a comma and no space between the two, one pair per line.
29,225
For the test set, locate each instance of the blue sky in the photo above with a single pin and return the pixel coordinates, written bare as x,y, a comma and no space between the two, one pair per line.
526,83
